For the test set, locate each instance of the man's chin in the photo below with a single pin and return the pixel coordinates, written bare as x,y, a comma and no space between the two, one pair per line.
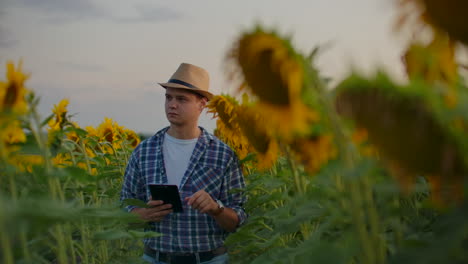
175,122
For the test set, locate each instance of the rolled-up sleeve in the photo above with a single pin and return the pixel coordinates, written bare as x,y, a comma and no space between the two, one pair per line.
132,187
233,189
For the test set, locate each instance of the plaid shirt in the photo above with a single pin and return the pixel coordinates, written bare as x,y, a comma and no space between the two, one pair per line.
213,167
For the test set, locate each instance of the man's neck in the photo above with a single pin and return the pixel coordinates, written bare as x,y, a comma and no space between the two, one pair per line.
184,132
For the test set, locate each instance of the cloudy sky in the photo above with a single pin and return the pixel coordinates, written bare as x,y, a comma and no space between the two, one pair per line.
107,56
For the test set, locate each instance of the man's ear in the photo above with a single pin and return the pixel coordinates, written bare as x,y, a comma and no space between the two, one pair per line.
203,103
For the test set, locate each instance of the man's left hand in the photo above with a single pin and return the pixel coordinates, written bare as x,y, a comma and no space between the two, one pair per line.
202,202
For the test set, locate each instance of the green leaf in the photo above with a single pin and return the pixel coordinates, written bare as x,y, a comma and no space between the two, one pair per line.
46,121
144,234
111,235
249,157
134,202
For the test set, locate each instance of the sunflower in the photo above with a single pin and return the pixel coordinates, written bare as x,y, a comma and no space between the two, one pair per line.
411,129
12,104
13,92
448,15
132,138
84,166
227,126
434,61
60,115
360,138
73,136
62,160
90,141
314,151
123,137
92,131
223,106
13,133
118,135
254,127
25,162
106,130
269,67
106,134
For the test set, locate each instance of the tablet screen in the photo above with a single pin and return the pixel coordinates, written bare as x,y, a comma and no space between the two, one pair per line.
169,194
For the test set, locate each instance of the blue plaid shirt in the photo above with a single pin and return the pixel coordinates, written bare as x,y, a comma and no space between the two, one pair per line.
213,167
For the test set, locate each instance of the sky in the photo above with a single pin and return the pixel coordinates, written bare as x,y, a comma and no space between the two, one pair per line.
107,56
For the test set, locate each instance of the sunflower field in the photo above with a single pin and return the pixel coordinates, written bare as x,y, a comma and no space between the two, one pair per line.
60,184
370,170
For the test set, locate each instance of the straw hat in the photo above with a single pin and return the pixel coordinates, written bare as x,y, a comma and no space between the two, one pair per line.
190,77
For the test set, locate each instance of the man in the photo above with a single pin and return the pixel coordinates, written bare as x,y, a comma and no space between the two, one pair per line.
204,168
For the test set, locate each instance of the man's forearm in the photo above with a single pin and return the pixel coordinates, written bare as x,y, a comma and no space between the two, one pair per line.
227,219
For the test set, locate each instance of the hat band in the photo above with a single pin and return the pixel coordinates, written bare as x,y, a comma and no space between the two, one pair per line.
183,83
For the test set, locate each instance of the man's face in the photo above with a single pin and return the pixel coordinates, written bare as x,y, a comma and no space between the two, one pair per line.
183,107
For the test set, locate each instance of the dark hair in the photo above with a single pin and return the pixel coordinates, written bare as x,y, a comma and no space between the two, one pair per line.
199,95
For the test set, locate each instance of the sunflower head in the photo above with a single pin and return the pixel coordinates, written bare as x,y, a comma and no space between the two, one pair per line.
60,115
433,62
449,15
132,138
12,133
106,130
92,131
314,151
445,15
409,127
13,92
26,162
225,108
62,160
269,67
254,128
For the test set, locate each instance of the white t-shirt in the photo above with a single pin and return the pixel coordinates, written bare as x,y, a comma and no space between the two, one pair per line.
177,153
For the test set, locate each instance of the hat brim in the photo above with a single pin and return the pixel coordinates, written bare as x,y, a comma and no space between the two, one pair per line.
180,86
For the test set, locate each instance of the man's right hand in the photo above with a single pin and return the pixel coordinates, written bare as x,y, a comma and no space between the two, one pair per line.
157,211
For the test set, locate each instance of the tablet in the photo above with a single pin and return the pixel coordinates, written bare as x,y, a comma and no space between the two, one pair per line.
169,194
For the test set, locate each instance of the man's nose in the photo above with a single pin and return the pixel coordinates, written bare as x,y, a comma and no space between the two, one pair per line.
172,104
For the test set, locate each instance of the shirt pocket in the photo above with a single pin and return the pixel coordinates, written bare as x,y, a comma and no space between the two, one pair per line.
208,179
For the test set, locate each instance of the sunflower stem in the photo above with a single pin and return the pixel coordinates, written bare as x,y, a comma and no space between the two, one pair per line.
298,183
361,208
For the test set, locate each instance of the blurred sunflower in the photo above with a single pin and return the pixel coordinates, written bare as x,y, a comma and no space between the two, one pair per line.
360,138
106,130
123,137
12,104
106,134
270,68
227,126
60,115
447,15
25,162
84,166
62,160
12,91
434,61
410,128
254,127
91,141
132,138
314,151
13,133
92,131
